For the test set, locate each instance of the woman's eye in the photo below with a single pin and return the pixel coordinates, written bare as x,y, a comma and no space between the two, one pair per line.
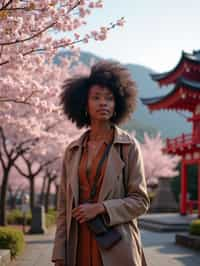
95,97
110,98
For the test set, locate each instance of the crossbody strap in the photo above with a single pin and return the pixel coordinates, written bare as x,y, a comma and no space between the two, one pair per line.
123,170
104,156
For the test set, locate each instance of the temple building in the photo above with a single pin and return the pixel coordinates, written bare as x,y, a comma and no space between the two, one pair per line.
185,96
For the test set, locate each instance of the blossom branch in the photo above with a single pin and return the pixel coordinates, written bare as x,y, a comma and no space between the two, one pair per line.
39,32
6,5
64,44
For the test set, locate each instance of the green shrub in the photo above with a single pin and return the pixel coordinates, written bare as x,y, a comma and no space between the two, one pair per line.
50,218
195,227
16,217
12,239
152,194
51,211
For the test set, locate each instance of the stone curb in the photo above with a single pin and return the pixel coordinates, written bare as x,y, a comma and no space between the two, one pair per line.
157,226
5,257
187,240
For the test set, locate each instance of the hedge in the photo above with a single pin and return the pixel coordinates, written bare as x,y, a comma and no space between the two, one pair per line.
195,227
16,217
12,239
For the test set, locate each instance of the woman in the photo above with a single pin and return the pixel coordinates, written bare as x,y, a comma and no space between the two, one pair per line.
118,192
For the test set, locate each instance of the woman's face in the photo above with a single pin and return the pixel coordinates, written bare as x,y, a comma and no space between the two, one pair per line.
101,103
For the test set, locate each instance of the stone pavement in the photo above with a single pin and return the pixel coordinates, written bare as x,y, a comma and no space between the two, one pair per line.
38,250
159,249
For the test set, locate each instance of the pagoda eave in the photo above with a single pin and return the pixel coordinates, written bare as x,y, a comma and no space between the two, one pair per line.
184,97
186,63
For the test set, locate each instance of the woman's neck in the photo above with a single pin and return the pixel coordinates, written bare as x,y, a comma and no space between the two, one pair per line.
100,129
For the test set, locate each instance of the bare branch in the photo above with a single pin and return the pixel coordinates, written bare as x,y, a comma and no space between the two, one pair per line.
42,166
6,5
32,141
48,128
6,100
26,9
2,162
3,137
19,170
25,101
30,37
1,51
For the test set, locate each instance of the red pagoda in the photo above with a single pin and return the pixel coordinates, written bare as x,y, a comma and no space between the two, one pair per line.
185,96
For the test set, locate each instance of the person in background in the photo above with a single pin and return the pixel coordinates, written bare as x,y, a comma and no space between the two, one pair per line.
103,173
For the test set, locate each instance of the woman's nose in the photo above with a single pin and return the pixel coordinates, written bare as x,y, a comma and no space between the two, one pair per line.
103,102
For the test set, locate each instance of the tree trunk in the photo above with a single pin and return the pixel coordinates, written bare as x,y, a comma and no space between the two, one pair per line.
42,193
56,197
12,199
46,205
4,187
32,193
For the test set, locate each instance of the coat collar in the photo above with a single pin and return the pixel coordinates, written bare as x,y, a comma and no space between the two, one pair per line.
120,136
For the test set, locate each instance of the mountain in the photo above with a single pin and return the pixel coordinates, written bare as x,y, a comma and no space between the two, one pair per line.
168,123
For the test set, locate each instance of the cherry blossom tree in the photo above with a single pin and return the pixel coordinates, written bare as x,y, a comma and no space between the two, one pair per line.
31,173
157,164
9,153
41,123
32,32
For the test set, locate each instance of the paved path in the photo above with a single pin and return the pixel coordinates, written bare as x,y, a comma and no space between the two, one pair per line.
38,250
159,249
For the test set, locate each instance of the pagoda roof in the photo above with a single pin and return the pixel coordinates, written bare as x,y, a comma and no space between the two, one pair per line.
180,98
185,61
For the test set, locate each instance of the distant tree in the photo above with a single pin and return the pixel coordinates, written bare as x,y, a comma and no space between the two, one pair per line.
158,164
31,131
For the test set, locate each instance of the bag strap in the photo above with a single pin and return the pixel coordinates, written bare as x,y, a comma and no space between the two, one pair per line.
99,167
123,170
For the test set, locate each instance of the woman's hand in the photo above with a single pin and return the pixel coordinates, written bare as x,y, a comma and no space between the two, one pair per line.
87,211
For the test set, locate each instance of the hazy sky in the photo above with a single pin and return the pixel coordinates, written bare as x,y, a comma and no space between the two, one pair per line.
155,32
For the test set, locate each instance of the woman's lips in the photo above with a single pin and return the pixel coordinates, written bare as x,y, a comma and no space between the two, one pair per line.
102,110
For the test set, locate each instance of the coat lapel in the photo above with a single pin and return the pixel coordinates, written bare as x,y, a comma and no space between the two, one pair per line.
73,174
113,170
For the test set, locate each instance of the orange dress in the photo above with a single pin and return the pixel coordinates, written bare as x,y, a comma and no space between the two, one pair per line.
88,251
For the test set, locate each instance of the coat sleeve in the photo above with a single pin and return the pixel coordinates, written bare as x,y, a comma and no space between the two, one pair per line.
136,202
60,236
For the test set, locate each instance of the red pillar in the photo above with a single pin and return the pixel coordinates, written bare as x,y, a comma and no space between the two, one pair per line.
183,207
198,189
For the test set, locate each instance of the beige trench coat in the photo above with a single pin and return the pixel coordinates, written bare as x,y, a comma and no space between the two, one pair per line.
122,211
